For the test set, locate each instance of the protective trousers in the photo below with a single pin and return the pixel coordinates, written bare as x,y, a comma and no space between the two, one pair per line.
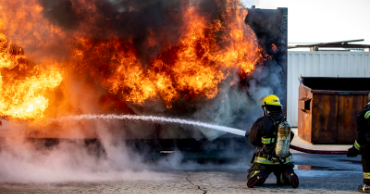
284,173
365,155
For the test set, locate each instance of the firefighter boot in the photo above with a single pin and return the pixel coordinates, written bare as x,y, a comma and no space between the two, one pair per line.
364,188
257,178
288,178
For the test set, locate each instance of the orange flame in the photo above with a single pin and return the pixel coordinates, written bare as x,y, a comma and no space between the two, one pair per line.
199,64
7,58
206,54
22,97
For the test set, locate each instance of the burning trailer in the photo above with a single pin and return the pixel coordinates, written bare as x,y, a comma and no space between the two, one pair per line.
208,61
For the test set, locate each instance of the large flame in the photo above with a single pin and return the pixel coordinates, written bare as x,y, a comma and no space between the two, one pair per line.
195,65
21,93
206,53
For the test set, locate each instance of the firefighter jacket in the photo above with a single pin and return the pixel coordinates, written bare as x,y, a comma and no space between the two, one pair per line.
263,136
363,127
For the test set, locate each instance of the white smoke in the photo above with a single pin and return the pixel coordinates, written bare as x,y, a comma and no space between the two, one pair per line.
32,161
25,160
237,107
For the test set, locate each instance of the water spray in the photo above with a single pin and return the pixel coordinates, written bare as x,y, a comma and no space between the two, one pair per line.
234,131
153,119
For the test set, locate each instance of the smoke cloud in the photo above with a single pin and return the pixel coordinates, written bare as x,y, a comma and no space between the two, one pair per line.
108,33
65,160
107,158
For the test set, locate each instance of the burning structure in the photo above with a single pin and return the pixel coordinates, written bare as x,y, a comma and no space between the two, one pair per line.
205,60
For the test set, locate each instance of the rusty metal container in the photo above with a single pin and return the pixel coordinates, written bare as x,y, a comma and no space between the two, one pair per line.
327,108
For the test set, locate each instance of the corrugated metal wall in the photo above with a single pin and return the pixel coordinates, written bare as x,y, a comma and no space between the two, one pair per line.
321,64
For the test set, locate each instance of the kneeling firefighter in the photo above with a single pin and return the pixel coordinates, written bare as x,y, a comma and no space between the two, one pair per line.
271,134
362,145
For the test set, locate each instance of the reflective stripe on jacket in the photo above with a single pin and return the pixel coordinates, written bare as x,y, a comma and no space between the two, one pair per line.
263,160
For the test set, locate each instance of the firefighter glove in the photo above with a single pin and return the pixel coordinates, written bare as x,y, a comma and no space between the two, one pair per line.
352,152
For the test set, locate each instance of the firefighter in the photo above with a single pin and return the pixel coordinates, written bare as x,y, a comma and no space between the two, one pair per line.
362,145
265,135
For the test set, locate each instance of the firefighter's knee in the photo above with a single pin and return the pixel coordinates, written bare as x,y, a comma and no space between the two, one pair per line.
257,178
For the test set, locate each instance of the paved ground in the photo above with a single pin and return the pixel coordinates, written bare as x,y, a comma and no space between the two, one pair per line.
316,176
317,173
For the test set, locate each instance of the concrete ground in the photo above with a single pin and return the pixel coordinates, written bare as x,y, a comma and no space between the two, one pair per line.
317,173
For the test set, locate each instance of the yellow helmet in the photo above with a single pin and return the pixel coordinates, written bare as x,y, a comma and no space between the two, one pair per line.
271,99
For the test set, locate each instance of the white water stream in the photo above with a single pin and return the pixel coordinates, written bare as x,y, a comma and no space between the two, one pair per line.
153,119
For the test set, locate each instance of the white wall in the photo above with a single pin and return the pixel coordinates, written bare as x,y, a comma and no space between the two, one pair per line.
321,64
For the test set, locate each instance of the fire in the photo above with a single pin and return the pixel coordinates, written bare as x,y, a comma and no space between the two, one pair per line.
7,57
21,96
195,65
192,64
23,99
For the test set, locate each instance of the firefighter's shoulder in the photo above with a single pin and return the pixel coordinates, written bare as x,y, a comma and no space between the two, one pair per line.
266,119
261,119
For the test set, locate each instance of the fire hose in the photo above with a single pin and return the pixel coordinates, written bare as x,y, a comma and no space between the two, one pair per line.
332,152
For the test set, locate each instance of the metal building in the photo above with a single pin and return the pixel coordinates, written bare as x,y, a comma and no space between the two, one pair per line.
321,64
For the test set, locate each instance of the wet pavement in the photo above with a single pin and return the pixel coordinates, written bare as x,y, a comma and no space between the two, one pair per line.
317,173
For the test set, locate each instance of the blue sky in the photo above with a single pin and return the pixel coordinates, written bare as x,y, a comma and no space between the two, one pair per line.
323,20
